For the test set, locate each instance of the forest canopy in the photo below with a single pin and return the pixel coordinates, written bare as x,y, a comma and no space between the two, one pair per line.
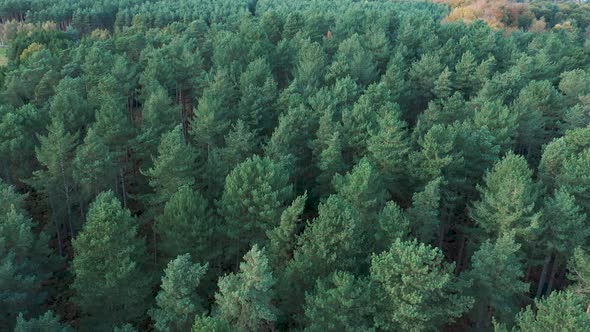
318,165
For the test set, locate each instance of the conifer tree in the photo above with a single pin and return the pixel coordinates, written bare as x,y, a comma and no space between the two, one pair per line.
442,86
352,60
288,144
56,154
281,239
48,322
159,116
69,105
210,324
393,224
509,200
185,226
424,215
342,248
245,298
175,165
240,143
562,311
388,147
177,303
254,197
341,302
363,188
107,263
496,281
415,288
258,96
26,263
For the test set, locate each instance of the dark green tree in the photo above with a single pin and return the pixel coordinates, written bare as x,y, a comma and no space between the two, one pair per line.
245,298
341,302
107,263
415,288
177,302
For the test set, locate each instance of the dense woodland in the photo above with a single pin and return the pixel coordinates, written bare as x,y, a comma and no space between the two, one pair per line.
231,165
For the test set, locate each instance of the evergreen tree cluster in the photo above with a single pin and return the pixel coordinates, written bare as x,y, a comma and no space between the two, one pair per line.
272,165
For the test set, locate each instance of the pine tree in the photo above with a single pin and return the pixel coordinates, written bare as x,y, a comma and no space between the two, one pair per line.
499,120
424,215
575,178
393,224
253,199
388,148
11,199
363,188
509,200
258,96
175,165
496,281
210,324
442,86
26,263
289,144
48,322
94,166
215,112
464,77
342,248
415,288
69,105
562,311
159,116
564,228
56,154
281,239
330,163
107,263
177,303
185,226
245,298
339,303
353,60
240,143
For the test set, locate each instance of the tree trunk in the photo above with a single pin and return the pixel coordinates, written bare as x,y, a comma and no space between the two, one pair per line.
60,244
459,258
68,204
543,277
123,188
155,247
552,275
82,211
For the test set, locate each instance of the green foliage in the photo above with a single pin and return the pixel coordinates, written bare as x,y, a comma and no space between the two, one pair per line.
185,226
177,301
415,289
174,166
253,199
424,215
495,277
341,247
210,324
561,311
107,263
363,188
207,118
245,298
281,239
509,200
26,262
341,302
48,322
564,223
